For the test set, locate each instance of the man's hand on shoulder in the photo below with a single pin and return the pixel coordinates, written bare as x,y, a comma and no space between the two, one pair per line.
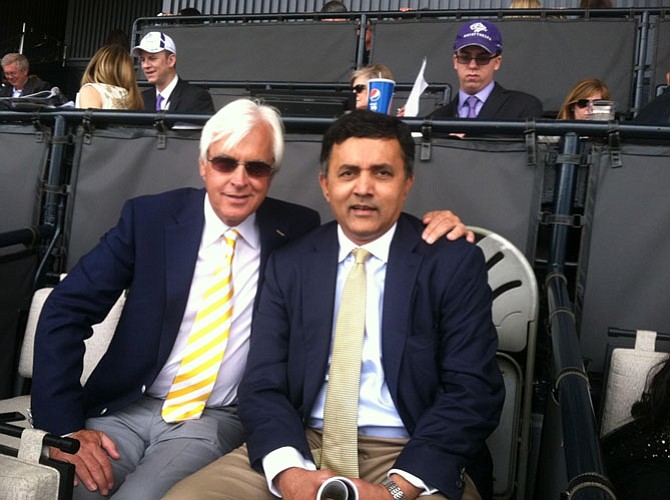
93,468
301,484
444,222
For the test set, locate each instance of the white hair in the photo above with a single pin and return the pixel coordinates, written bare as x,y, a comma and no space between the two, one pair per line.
234,122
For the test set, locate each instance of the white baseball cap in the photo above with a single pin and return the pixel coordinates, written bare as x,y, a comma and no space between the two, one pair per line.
154,42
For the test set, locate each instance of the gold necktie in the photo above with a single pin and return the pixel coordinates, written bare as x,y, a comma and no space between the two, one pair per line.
207,342
340,415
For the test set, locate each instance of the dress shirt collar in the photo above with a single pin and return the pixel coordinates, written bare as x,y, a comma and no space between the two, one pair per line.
214,228
482,95
379,247
167,91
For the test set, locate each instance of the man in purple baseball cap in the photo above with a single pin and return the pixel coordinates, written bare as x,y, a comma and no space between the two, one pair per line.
477,56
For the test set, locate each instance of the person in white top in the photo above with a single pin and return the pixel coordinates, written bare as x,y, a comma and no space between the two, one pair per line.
109,81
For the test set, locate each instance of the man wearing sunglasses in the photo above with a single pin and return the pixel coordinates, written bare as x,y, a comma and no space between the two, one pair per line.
477,56
164,252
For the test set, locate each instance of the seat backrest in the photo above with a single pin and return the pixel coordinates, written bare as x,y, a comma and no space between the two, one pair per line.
515,311
515,290
96,345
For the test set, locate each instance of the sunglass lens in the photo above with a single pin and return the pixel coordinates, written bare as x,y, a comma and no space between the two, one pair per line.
224,164
582,103
258,169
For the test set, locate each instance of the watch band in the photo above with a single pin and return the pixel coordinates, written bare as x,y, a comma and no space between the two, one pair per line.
393,489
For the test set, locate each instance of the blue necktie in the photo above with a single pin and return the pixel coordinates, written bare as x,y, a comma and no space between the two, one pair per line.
159,102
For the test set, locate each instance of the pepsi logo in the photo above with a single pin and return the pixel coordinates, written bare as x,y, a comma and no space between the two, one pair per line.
375,95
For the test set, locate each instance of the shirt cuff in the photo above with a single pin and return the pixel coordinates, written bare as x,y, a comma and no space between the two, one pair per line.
414,481
281,459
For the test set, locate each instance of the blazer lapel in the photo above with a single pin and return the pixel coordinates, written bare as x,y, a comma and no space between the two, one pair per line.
182,241
401,274
318,296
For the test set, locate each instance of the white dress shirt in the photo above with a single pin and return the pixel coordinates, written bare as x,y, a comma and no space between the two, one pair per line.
246,264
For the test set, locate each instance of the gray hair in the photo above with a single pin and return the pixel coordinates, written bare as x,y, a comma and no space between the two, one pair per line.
13,57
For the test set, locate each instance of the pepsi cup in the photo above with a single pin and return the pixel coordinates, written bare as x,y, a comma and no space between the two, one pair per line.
380,94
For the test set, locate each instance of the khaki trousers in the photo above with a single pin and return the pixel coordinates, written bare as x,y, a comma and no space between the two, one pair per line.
232,478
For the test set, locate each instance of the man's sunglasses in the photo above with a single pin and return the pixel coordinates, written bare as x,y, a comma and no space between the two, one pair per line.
481,59
357,89
226,165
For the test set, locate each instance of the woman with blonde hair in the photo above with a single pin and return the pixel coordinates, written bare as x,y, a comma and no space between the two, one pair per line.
578,104
109,81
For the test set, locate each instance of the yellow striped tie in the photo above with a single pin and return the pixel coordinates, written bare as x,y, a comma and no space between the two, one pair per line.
339,448
207,342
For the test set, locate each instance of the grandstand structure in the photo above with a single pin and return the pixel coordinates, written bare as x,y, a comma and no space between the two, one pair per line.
585,202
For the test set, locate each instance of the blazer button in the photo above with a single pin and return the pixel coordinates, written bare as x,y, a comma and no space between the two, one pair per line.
103,411
144,388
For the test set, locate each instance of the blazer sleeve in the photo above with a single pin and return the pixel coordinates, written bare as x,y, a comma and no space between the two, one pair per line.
468,394
266,409
81,300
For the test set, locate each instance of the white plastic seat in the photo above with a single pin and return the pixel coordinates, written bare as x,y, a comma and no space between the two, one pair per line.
515,313
96,346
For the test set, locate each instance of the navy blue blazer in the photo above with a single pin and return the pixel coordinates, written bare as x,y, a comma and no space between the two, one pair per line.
502,104
151,252
438,349
185,98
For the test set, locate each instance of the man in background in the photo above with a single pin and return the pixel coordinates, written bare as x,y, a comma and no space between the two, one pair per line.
477,56
18,83
158,58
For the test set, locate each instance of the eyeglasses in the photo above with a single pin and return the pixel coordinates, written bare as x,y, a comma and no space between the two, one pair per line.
481,59
226,165
357,89
582,103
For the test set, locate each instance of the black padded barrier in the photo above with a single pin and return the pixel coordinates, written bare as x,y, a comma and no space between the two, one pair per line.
303,51
117,163
661,59
488,183
624,273
544,57
25,151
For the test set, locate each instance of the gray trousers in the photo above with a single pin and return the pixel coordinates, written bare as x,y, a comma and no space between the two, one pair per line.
154,454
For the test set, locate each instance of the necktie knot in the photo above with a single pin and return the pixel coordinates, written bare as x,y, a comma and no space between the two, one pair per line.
159,102
472,102
361,255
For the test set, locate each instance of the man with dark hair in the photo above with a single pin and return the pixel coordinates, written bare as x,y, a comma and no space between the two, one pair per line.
19,84
372,354
158,57
477,56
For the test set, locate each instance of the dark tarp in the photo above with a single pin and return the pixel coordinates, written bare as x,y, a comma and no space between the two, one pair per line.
624,275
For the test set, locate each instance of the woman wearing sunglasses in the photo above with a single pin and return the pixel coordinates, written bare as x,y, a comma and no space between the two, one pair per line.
359,81
578,105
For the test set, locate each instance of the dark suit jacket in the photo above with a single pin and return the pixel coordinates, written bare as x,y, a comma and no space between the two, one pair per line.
438,348
33,85
151,253
502,104
185,98
657,111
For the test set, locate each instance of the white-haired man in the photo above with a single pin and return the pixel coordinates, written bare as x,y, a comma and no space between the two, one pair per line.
165,251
